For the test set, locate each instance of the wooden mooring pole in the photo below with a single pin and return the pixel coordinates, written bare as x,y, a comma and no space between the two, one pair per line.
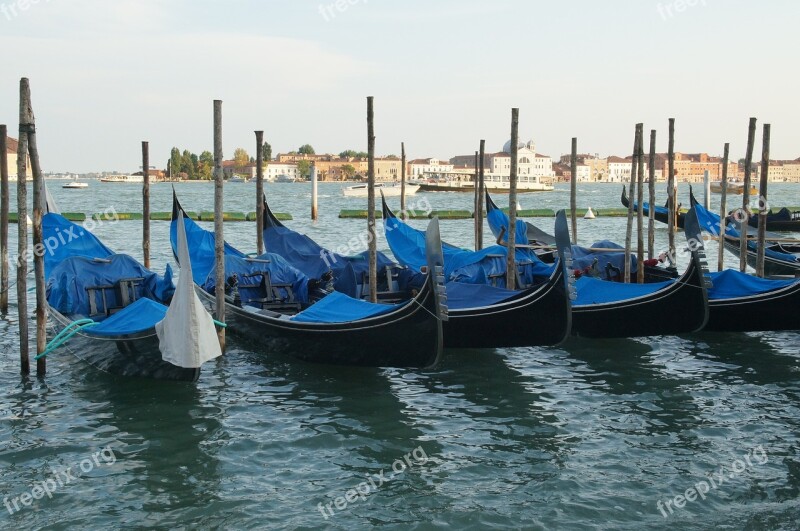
573,190
511,264
4,204
260,192
219,233
402,180
38,237
475,216
373,244
672,201
651,198
314,192
763,204
22,229
639,214
146,203
723,209
481,193
744,216
631,194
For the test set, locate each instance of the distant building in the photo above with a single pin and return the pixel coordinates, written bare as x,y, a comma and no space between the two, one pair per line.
418,168
12,146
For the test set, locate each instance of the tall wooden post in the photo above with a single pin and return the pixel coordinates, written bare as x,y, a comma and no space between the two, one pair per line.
260,192
373,244
4,208
745,214
631,195
402,180
219,232
38,237
146,203
651,212
511,264
723,209
475,216
22,227
314,190
481,193
639,214
672,201
573,190
763,208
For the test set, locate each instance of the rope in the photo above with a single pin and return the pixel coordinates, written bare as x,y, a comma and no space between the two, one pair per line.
65,335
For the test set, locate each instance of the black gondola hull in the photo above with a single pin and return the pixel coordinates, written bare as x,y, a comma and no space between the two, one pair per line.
676,309
134,355
538,317
408,337
659,216
772,267
773,311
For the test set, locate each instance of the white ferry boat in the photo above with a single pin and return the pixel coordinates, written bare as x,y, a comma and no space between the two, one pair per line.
124,179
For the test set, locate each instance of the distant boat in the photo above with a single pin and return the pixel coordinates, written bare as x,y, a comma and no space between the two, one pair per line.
389,190
124,179
492,183
734,187
237,180
284,179
75,185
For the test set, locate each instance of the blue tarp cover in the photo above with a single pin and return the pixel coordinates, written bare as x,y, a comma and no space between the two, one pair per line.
313,260
408,246
201,248
462,296
280,272
646,209
339,308
730,284
710,222
582,257
63,238
138,317
67,283
596,291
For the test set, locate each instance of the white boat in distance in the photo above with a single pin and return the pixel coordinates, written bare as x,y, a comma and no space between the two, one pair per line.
75,185
125,179
388,189
498,184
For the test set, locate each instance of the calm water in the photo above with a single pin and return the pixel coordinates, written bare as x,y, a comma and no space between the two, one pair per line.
593,434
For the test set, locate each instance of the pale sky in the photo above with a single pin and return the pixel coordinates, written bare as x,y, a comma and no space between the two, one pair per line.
106,75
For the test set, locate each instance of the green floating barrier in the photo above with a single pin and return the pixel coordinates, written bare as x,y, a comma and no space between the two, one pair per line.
118,216
358,214
12,217
280,216
612,212
161,216
451,214
226,216
532,213
74,216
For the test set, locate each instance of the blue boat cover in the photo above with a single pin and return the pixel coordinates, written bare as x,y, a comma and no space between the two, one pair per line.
461,295
68,281
582,257
201,248
646,209
314,260
408,246
63,239
730,284
140,316
251,272
595,291
339,308
710,222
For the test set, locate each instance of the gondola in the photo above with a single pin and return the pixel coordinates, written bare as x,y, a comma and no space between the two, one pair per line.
485,316
602,260
661,213
269,303
783,220
738,302
118,316
606,309
780,257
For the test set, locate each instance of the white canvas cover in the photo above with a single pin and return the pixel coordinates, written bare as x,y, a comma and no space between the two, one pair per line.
187,336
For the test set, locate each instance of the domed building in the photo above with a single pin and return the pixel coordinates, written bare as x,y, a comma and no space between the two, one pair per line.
530,165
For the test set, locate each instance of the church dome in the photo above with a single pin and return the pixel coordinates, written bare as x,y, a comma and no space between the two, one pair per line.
529,144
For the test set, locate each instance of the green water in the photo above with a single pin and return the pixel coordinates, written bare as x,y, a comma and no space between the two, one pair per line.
593,434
